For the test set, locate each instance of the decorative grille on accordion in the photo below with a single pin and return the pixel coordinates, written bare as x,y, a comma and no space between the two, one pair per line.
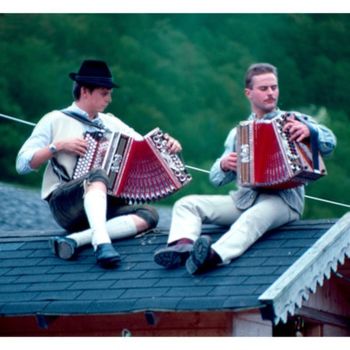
268,159
138,171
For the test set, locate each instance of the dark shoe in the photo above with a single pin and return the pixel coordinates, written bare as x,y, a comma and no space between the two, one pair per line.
63,247
173,256
203,258
106,255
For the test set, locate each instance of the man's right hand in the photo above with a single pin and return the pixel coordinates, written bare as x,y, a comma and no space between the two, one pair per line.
229,162
76,146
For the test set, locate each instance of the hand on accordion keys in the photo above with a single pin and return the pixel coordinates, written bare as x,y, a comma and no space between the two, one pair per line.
173,145
296,130
77,146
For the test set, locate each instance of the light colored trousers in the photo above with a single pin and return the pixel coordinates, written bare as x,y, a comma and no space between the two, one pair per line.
246,227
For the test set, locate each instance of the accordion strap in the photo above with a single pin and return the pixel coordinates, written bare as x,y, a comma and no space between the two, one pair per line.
83,120
59,170
314,146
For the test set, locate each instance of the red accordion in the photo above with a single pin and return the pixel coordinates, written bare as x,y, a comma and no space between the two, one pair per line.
267,159
138,171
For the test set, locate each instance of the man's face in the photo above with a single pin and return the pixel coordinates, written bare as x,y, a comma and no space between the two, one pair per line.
99,99
263,95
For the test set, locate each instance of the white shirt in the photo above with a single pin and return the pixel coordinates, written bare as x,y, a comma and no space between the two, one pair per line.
42,135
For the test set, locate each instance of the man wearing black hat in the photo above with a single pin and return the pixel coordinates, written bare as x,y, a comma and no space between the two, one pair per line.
82,206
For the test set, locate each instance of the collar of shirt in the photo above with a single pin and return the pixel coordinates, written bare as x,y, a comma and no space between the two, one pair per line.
267,116
74,108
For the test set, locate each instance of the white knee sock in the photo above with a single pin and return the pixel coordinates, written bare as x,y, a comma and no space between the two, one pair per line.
118,228
95,204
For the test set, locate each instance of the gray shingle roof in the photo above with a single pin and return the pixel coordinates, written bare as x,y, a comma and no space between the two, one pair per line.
33,281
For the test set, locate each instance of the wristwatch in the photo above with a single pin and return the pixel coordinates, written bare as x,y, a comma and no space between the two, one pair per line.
52,148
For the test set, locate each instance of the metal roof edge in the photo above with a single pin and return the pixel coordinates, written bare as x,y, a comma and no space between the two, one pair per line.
302,278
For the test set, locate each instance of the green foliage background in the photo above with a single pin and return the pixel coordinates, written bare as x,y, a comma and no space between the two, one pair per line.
183,73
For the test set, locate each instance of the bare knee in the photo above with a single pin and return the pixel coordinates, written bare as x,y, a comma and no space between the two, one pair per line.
97,179
145,218
140,223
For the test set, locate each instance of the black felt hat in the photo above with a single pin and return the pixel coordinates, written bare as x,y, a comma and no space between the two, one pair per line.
95,73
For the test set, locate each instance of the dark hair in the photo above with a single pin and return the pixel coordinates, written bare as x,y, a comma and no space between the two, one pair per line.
77,89
258,69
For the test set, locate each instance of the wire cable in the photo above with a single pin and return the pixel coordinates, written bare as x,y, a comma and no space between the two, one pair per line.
16,119
187,166
306,196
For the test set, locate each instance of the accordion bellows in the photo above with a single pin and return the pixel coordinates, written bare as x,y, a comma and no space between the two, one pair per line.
267,159
138,171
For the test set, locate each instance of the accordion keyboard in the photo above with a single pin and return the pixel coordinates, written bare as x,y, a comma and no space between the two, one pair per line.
96,150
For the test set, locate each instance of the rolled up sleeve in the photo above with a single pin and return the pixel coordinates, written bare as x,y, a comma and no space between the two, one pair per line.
327,141
40,138
217,176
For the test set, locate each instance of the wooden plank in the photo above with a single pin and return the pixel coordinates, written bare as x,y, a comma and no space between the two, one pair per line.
135,324
332,298
324,317
251,324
